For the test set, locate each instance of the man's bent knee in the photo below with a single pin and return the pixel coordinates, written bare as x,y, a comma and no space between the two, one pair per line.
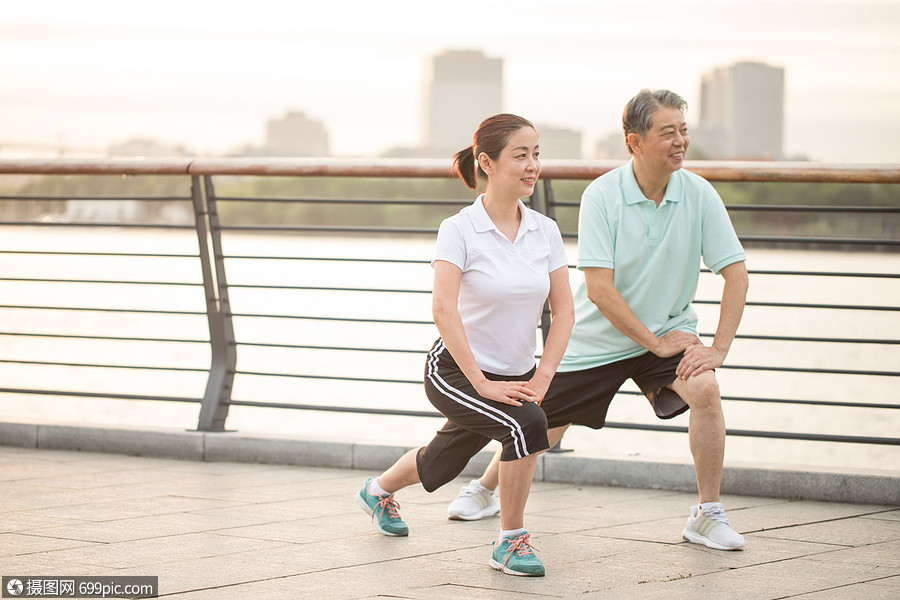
700,392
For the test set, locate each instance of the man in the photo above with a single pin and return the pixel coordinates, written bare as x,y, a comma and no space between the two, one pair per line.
643,230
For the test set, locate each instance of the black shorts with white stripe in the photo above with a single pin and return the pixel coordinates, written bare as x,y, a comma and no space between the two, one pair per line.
473,421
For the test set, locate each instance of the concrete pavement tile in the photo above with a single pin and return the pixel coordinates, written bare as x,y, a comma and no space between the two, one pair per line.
26,522
139,528
886,554
846,532
788,513
16,544
893,582
75,478
42,564
768,581
312,529
33,498
661,530
290,510
421,578
861,590
443,528
148,554
242,568
889,515
133,507
248,494
334,565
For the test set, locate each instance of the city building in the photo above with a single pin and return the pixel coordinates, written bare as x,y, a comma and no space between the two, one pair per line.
135,147
559,142
611,147
295,134
741,113
462,88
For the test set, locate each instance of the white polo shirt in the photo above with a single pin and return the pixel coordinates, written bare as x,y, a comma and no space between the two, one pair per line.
504,284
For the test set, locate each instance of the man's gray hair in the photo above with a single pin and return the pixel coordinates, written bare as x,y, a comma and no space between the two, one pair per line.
638,114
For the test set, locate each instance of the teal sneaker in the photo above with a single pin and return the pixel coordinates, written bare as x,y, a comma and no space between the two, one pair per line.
515,556
384,508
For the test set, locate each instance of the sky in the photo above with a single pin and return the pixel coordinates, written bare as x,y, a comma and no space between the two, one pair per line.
207,75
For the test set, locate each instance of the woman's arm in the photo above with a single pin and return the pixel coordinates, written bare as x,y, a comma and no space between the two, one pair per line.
444,298
562,318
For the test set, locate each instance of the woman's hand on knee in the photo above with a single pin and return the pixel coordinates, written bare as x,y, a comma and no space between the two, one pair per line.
507,392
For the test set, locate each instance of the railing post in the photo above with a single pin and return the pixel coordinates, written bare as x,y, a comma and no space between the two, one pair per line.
214,408
543,203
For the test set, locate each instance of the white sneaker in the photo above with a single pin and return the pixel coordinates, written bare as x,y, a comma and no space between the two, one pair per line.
710,528
473,502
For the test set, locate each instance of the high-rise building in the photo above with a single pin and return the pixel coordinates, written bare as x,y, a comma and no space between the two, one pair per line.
559,142
462,88
295,134
741,112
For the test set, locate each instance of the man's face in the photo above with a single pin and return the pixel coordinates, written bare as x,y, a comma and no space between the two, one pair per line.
666,143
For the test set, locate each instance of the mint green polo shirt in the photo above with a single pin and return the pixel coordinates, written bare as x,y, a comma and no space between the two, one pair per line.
655,253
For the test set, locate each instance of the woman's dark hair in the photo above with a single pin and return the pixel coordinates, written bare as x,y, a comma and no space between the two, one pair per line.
491,138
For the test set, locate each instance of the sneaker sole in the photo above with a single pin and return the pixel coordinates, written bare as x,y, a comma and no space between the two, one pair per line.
500,567
369,511
481,514
690,536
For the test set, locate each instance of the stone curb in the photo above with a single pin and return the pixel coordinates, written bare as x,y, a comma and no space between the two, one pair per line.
864,487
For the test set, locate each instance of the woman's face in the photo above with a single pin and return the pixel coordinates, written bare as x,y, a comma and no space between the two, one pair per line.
517,168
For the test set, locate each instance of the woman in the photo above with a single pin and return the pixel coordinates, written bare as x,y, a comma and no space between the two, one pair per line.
496,262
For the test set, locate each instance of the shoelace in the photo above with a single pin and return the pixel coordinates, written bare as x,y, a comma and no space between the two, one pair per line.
468,491
521,546
716,513
387,503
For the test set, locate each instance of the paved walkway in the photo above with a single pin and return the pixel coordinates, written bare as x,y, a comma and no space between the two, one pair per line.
226,530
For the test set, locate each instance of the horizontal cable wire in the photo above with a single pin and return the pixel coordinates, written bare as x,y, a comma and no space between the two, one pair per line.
109,310
93,225
835,403
112,281
100,198
612,425
98,395
122,254
102,337
101,366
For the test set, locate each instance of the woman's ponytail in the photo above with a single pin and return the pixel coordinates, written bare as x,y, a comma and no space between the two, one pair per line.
464,167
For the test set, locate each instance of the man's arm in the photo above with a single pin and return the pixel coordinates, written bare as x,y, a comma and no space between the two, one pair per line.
734,295
603,293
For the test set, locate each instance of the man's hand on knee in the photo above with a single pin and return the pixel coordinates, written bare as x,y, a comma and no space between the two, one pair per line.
699,358
673,342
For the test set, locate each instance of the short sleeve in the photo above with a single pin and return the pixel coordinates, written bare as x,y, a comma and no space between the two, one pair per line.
451,245
558,258
595,241
720,244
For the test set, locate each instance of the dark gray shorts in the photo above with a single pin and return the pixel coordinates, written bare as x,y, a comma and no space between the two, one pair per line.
473,421
583,397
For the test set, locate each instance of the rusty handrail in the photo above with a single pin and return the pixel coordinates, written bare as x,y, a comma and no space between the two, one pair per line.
759,171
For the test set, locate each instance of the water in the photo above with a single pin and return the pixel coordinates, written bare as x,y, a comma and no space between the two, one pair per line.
409,430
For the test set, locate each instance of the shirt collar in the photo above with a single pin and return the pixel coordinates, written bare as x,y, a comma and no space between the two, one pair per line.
482,222
634,195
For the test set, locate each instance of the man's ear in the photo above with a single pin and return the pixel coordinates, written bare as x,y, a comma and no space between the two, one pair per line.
486,164
634,140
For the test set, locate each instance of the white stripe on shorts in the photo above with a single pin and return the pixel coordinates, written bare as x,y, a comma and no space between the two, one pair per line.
464,399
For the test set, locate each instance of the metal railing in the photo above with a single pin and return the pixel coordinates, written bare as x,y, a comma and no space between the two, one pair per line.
212,277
